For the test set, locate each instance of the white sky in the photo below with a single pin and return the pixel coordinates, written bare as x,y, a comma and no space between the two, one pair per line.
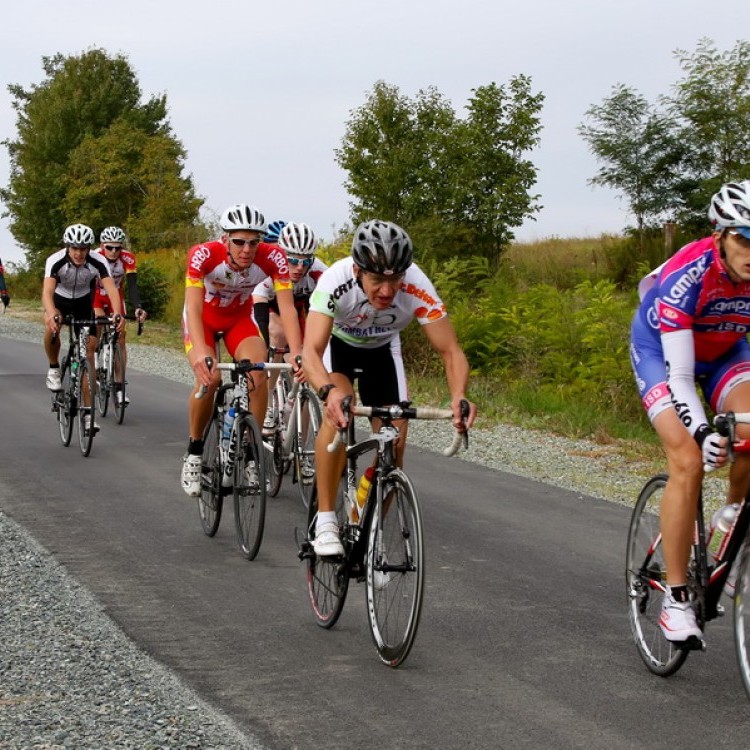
259,93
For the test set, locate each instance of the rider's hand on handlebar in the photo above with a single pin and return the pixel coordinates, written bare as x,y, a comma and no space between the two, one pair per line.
53,323
333,411
140,314
119,322
714,450
461,420
202,369
297,372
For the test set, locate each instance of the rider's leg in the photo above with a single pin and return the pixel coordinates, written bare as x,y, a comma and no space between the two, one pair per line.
254,349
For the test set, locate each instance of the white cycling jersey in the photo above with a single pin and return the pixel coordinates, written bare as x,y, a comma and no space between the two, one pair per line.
357,322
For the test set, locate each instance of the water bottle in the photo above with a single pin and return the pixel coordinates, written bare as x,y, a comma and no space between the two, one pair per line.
363,488
721,522
226,431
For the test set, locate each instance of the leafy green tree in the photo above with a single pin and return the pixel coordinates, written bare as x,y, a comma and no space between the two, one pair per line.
448,181
86,103
712,104
639,151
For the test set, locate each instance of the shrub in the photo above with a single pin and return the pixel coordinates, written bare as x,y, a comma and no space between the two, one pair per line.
153,285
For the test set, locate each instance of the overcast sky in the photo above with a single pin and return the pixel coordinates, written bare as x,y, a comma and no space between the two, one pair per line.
259,93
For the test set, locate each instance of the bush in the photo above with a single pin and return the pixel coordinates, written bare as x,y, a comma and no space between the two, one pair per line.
153,285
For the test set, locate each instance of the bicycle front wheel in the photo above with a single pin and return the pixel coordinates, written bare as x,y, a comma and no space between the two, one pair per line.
304,449
85,414
102,378
645,581
327,577
742,615
118,365
249,487
211,499
66,402
395,570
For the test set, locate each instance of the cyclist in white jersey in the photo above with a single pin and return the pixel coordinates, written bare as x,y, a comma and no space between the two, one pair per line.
357,310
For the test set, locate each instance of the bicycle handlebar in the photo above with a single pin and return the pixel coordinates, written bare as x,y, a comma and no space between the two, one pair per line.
242,367
402,411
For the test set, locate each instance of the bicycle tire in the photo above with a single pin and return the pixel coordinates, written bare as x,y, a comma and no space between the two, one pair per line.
306,451
327,577
275,461
211,498
119,406
395,570
102,379
742,616
249,487
85,437
662,657
65,404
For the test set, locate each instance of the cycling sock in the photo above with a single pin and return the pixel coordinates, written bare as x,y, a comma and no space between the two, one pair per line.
679,593
56,366
195,447
326,517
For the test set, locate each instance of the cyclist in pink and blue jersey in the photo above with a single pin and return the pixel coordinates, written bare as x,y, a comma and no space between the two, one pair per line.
691,328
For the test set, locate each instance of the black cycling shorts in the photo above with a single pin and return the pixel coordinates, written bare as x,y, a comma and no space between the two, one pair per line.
379,372
81,308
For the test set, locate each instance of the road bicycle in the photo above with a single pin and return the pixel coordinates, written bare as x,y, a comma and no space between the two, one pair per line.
296,416
382,539
645,574
76,379
108,361
236,463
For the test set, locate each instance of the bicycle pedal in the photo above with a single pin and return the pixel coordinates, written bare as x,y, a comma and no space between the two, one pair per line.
720,610
693,643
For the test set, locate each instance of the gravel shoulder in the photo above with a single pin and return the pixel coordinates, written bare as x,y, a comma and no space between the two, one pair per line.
69,678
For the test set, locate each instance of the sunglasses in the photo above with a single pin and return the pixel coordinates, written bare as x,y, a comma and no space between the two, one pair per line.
306,262
237,242
113,248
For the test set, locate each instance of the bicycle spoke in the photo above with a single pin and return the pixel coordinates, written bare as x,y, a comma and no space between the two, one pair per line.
249,487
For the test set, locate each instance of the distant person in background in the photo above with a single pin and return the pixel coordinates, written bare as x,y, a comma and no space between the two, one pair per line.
691,327
122,266
4,296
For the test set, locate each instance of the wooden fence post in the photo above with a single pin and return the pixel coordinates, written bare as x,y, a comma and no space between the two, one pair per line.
669,231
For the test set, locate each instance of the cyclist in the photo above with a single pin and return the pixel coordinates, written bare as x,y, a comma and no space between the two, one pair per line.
4,296
221,276
299,242
122,265
357,310
70,276
691,326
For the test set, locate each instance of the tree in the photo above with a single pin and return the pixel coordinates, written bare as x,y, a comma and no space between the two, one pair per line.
712,104
86,103
449,182
639,150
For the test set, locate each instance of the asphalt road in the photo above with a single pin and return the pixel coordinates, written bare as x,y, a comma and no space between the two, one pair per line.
523,643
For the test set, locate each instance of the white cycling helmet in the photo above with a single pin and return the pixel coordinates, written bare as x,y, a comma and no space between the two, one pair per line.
297,238
382,247
78,235
112,234
243,217
730,207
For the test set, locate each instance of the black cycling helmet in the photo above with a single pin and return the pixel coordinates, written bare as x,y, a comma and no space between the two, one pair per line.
382,247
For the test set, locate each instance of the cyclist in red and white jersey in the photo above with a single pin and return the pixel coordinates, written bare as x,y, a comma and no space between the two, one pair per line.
357,311
220,280
299,242
691,327
123,266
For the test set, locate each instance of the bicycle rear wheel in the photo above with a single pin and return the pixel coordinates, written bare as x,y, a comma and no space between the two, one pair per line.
395,570
85,413
211,499
118,364
249,487
274,463
327,577
645,579
102,377
66,402
304,450
742,616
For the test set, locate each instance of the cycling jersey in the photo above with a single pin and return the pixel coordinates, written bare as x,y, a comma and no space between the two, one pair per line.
123,265
691,315
226,288
360,324
75,281
302,289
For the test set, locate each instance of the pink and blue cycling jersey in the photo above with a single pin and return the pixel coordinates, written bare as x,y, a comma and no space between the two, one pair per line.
692,291
692,297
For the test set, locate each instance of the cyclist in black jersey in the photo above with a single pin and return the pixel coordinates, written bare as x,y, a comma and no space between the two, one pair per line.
70,276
